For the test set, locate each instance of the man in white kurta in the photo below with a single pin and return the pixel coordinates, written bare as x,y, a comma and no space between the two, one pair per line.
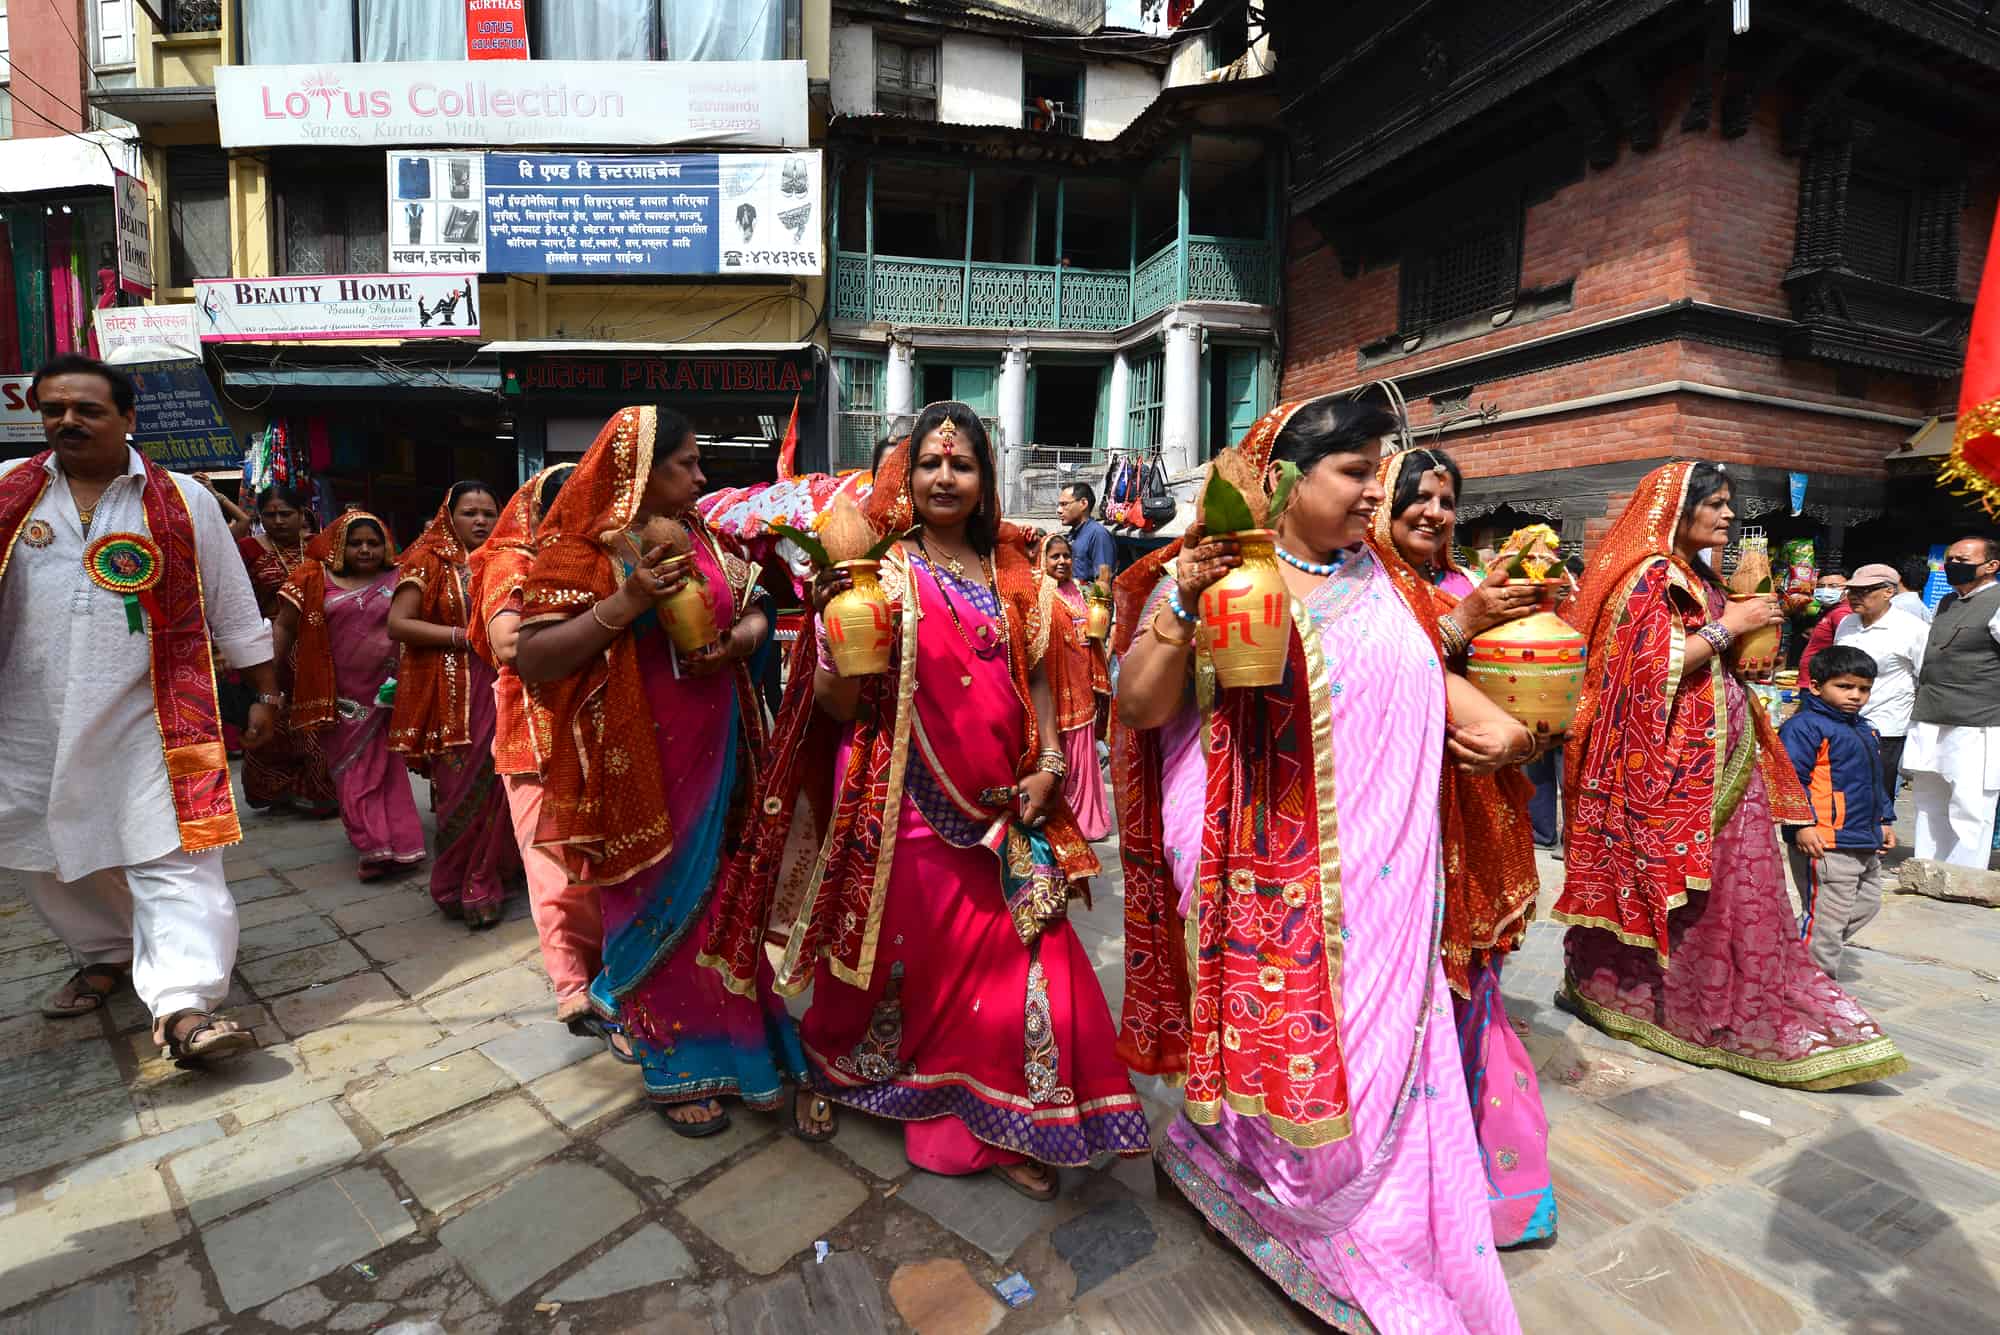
85,806
1953,752
1895,640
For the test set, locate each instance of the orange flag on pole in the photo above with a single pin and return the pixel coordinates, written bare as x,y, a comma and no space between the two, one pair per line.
1975,448
788,452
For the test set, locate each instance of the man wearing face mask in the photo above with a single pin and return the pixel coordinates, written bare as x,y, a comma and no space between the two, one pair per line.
1827,601
1953,752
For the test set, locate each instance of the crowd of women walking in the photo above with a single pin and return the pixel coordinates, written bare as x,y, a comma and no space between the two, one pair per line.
1323,878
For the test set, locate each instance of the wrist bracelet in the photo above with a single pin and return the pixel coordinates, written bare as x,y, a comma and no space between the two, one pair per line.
1453,637
1176,641
1053,762
1718,636
598,617
1174,602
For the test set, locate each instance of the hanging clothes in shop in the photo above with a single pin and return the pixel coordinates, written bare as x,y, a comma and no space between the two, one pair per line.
31,294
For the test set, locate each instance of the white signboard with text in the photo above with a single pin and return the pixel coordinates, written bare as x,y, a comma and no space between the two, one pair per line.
171,328
753,103
133,218
19,423
242,310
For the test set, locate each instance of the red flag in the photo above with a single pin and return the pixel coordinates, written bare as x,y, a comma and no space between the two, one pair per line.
1975,448
788,452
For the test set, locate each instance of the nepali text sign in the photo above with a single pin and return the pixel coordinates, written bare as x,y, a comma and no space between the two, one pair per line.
121,329
787,371
20,423
180,423
550,213
237,310
133,218
496,29
755,103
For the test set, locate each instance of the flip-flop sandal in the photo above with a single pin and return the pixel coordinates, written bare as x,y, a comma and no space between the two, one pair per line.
715,1125
88,999
1047,1193
819,1110
588,1025
191,1054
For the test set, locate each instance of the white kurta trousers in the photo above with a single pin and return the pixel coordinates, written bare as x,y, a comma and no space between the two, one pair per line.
1954,784
172,919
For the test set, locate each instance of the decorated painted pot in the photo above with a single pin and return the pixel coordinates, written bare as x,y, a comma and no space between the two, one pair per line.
1246,616
1532,668
1756,653
859,628
1097,619
685,612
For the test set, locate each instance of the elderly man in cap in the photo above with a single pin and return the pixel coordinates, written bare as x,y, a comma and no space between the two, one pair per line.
1953,752
1895,640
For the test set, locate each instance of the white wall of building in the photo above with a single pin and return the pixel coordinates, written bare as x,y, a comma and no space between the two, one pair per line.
1113,96
980,80
851,72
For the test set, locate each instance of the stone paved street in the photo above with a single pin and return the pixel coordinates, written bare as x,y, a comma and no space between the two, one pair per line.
418,1147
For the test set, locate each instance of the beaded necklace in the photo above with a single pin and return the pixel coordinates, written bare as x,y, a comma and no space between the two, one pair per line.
1310,567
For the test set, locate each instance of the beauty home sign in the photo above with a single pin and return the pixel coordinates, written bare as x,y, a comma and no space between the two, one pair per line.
751,103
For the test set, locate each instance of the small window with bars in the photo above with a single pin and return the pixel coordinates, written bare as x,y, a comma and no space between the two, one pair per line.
1473,270
906,79
1877,237
1146,406
330,218
862,422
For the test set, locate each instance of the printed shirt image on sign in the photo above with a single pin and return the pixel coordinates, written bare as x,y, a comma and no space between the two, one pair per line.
690,213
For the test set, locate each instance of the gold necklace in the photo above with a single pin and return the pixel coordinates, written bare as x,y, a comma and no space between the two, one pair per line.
84,514
951,563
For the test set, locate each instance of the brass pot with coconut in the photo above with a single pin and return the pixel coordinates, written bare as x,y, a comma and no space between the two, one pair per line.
1246,616
860,623
1533,666
686,613
1755,653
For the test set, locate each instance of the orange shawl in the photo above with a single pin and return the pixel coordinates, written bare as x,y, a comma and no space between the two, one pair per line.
314,692
433,711
1641,789
1490,882
499,569
604,797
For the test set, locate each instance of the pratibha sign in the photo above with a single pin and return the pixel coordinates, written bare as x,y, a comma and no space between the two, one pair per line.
239,310
565,213
753,103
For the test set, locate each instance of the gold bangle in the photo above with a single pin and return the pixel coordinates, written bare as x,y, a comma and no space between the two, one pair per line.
594,616
1167,639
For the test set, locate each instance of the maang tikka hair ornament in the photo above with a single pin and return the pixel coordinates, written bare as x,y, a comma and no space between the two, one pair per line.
947,431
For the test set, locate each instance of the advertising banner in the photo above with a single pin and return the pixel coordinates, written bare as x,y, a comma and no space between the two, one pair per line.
496,29
238,310
543,213
134,222
20,424
180,422
437,212
167,328
752,103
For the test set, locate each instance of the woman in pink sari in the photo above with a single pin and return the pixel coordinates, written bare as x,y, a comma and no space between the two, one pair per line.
445,715
335,610
1080,696
1283,908
924,804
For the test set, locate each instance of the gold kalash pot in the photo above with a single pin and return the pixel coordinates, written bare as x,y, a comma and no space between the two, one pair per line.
859,628
1246,616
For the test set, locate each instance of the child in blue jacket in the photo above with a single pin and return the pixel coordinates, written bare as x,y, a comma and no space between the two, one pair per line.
1837,860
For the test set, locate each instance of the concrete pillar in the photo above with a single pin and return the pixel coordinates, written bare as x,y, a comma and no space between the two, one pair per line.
1119,405
1013,406
899,381
1180,409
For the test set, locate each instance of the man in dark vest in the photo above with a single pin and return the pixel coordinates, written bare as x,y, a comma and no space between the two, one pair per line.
1953,752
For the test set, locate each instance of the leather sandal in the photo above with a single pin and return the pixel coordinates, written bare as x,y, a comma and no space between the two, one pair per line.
88,998
715,1125
205,1043
1043,1193
591,1025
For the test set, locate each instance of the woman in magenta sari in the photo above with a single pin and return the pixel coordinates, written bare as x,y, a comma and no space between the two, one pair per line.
653,759
335,610
949,990
1283,908
1682,937
445,716
1079,695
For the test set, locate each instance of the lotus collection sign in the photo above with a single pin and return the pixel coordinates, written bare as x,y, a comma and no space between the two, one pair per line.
753,103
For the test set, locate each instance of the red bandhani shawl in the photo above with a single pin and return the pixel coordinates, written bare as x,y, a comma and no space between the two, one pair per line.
1244,1004
314,691
184,703
1641,793
499,571
820,845
1490,883
604,797
433,712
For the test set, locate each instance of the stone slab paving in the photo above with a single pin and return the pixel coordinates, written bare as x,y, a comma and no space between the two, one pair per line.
419,1142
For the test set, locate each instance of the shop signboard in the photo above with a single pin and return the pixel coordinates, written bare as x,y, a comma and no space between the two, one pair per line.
134,219
377,305
180,422
496,29
747,103
781,371
566,213
167,328
20,424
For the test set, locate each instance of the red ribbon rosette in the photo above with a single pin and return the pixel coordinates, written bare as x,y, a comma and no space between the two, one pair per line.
129,565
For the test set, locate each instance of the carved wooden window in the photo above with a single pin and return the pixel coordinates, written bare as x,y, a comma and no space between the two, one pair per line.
1472,270
906,79
1868,209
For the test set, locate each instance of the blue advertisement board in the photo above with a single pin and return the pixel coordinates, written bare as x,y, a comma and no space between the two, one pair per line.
180,423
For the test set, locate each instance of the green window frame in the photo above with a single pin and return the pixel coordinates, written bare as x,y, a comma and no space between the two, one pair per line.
862,420
1145,402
